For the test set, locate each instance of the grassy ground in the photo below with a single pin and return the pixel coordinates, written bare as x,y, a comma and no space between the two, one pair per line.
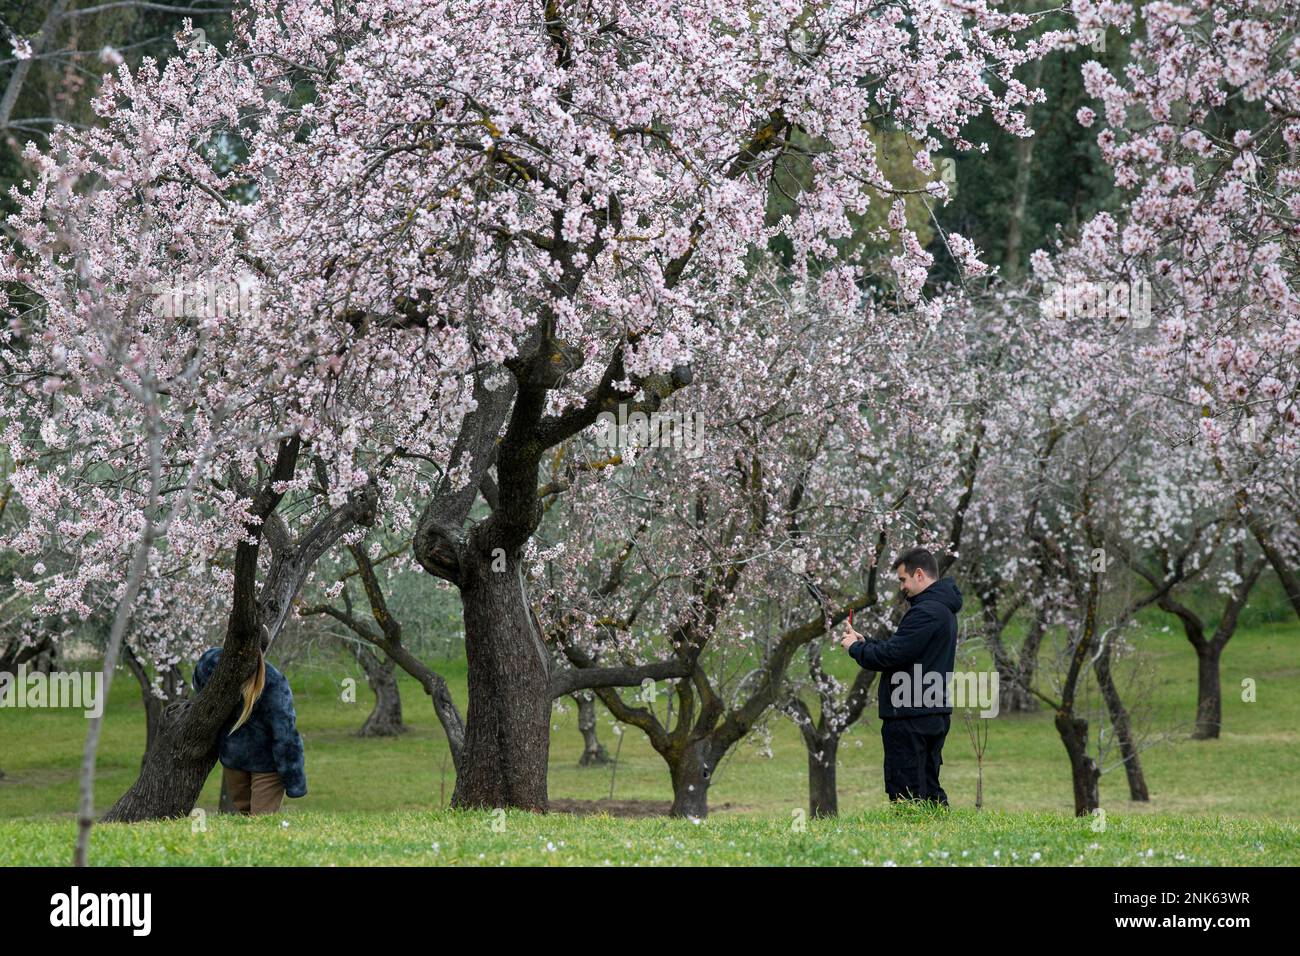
1233,800
876,837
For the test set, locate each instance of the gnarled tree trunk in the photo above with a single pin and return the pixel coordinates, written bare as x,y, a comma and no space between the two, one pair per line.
691,770
385,718
508,720
176,767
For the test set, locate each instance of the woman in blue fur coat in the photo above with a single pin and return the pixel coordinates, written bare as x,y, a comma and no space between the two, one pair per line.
261,755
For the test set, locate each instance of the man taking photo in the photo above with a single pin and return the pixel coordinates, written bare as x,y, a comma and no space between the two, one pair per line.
913,731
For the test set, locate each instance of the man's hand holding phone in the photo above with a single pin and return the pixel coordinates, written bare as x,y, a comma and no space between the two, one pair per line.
851,636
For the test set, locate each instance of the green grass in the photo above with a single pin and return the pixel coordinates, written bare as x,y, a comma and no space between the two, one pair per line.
1233,800
877,837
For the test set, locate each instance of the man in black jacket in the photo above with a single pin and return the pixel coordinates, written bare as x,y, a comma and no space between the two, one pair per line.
915,670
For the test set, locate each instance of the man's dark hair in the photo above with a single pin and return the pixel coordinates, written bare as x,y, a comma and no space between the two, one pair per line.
917,558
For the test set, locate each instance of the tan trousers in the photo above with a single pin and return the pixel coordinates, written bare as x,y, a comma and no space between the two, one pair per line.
253,792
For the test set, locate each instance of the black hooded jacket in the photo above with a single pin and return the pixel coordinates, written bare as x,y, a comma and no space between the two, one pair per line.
924,644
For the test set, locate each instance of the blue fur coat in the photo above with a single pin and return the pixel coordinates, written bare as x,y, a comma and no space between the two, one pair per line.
268,741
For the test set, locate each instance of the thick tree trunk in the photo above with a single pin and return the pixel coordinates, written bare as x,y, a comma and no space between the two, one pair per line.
174,771
823,796
1209,697
1083,769
1123,727
153,708
692,772
594,753
508,721
186,742
385,719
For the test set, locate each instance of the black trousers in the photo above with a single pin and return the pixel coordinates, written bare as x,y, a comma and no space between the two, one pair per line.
913,754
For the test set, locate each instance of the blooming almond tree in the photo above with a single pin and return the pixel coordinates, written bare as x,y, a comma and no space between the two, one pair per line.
583,184
1202,131
174,394
1109,511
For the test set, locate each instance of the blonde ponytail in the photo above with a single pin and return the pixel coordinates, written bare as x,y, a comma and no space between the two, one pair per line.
252,690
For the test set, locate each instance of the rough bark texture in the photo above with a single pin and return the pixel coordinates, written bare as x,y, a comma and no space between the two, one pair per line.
692,771
508,721
184,749
174,769
1083,769
823,797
